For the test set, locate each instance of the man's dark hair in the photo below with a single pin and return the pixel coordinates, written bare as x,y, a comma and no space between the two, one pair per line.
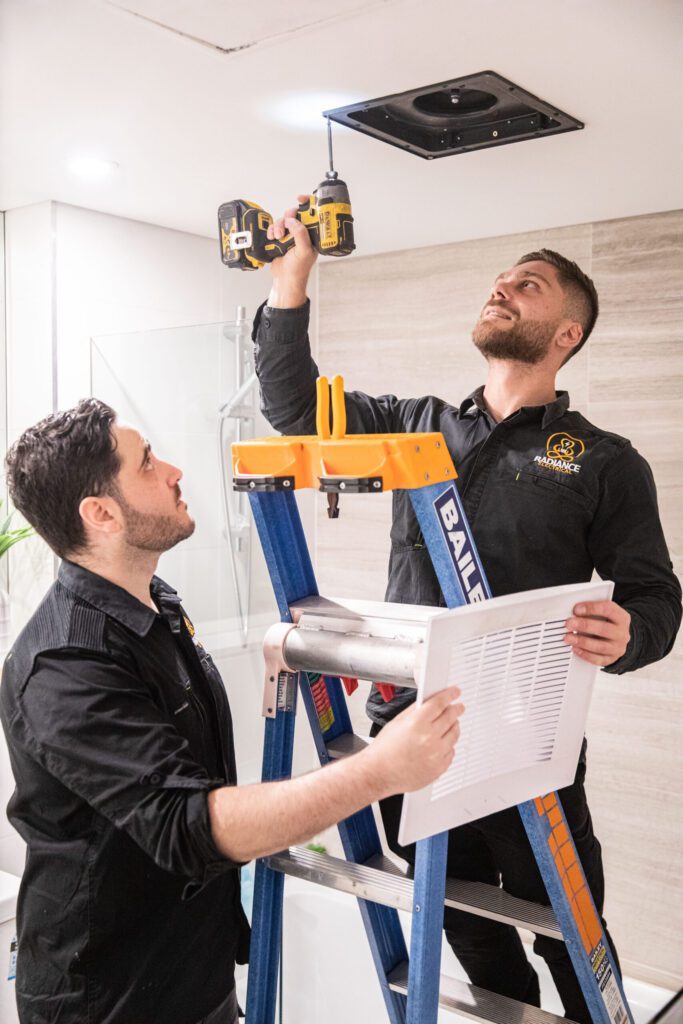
66,457
582,298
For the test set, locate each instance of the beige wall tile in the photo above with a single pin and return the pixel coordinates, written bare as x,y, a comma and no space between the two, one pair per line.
651,232
353,551
636,355
635,789
637,262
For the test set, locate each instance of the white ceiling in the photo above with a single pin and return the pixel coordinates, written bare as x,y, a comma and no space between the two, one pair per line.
198,102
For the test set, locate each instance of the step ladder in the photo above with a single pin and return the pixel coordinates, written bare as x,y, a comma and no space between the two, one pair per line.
269,471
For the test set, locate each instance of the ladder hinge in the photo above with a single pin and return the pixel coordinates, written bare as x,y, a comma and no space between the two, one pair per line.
351,484
261,484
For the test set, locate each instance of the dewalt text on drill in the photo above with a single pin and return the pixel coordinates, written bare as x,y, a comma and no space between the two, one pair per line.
243,226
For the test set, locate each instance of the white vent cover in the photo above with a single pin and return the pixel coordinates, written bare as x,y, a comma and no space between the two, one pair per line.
526,698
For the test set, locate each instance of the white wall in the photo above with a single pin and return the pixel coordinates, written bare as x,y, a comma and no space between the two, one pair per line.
3,380
72,274
116,275
29,277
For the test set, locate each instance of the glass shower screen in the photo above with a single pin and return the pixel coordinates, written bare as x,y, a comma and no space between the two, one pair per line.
191,391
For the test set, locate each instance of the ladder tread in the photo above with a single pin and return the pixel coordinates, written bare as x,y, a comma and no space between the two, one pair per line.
380,881
495,903
477,1003
345,745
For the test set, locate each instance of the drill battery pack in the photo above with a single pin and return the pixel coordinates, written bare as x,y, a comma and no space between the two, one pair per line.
243,228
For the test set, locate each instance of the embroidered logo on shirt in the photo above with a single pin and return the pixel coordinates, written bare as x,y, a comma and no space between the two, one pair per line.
191,630
562,451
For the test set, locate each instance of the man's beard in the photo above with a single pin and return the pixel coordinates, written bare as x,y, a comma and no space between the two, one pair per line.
149,531
526,341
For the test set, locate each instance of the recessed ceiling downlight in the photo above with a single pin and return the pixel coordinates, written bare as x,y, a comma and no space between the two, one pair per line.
92,168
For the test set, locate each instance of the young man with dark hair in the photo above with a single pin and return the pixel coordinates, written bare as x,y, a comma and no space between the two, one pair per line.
580,297
121,744
550,497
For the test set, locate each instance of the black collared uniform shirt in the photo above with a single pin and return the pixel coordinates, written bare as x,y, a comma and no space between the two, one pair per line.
549,496
118,726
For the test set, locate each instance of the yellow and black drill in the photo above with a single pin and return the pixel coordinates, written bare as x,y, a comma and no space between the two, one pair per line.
243,226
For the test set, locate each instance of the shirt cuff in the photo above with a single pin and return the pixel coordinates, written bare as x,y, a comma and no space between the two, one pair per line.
281,326
629,661
208,854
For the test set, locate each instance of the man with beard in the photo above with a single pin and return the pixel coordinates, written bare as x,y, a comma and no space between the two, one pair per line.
121,744
550,497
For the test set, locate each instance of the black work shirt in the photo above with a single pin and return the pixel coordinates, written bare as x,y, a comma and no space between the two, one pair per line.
549,496
118,726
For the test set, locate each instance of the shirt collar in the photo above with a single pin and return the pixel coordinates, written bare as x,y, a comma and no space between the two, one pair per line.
553,410
550,412
118,603
476,400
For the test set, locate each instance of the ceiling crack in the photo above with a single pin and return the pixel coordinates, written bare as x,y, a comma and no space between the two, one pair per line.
179,32
246,46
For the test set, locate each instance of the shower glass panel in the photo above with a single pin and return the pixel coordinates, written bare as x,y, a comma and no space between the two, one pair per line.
191,391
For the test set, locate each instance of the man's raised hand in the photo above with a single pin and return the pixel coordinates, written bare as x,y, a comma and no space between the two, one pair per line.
291,271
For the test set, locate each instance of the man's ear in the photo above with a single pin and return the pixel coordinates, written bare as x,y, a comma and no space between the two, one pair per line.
569,336
100,515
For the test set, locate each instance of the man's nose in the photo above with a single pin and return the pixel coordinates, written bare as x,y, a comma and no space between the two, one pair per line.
174,474
501,289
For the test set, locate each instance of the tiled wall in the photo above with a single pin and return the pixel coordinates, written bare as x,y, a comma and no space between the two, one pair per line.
401,322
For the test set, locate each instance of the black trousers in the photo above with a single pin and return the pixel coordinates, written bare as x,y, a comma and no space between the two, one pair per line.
494,850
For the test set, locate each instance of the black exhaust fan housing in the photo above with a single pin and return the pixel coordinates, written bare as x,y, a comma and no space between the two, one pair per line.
473,112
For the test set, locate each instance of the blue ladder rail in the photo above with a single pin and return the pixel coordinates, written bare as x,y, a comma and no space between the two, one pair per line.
291,571
462,580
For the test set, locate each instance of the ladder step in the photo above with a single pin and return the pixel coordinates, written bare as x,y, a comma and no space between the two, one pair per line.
490,901
380,881
476,1003
346,745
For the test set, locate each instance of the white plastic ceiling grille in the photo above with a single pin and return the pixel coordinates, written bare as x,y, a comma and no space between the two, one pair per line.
513,684
526,698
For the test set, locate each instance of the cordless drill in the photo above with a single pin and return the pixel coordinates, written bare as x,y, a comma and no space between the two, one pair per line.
243,226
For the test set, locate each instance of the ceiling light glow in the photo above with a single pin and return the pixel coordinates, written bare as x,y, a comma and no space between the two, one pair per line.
305,109
92,168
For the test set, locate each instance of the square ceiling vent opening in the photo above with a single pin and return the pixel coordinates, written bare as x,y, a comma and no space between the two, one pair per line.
474,112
